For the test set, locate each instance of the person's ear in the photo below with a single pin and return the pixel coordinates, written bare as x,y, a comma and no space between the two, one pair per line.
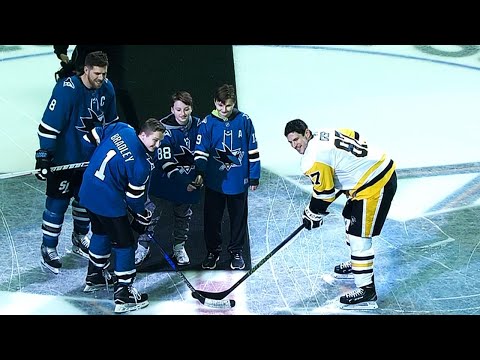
308,134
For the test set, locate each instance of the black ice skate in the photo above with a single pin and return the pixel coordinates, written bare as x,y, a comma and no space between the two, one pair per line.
343,271
98,278
50,259
363,298
80,244
127,298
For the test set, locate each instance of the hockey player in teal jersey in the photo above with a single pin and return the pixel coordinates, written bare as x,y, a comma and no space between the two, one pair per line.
173,175
77,104
227,160
115,185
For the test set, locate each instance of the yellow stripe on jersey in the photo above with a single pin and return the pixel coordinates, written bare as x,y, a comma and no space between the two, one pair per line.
321,176
374,187
367,174
350,133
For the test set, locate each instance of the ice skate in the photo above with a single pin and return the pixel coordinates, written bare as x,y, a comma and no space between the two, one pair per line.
363,298
80,244
98,278
50,259
127,298
343,271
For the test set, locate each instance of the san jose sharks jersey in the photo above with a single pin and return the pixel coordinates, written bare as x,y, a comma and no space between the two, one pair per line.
118,173
227,153
71,109
174,164
341,160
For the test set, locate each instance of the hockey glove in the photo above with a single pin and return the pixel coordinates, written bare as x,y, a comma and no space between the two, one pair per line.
311,220
67,69
141,222
43,163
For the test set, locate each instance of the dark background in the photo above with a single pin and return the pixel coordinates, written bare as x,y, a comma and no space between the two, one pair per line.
153,74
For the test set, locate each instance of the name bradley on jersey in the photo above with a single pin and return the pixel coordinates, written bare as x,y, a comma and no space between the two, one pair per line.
122,147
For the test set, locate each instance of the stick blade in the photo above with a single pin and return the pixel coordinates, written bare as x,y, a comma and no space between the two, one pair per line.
213,295
214,303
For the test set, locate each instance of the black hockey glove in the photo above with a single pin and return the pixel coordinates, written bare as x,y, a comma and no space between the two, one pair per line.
311,220
43,163
67,69
141,222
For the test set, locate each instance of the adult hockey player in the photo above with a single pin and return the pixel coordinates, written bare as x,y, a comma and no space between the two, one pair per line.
117,73
77,104
339,160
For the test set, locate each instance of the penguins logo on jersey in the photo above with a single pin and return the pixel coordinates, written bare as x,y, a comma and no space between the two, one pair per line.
185,162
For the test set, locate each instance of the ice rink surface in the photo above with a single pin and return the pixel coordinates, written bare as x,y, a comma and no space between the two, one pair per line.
420,103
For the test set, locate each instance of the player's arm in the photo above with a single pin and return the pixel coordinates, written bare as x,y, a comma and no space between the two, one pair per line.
138,176
201,153
253,157
54,120
61,52
93,136
323,194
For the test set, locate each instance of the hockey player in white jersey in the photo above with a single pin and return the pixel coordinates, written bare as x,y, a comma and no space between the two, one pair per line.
338,160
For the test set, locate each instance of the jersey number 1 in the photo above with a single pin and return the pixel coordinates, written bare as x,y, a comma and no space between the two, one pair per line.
100,173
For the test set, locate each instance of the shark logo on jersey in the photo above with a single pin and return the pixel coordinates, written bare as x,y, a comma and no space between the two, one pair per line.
185,162
89,122
68,82
227,156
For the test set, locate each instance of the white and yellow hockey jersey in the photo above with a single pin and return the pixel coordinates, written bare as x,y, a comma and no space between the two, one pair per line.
337,159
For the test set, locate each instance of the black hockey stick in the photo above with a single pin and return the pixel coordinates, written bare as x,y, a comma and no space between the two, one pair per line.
36,171
214,303
221,295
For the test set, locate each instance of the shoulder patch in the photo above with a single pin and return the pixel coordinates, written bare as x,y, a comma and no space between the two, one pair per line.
68,82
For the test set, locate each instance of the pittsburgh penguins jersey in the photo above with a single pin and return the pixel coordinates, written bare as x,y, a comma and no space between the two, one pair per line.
174,164
338,159
118,173
227,153
70,109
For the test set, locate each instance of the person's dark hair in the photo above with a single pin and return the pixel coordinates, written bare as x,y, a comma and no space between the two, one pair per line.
182,96
152,125
96,58
224,93
296,125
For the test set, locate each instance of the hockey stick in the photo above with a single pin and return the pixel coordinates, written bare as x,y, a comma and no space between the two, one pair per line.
221,295
213,303
36,171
